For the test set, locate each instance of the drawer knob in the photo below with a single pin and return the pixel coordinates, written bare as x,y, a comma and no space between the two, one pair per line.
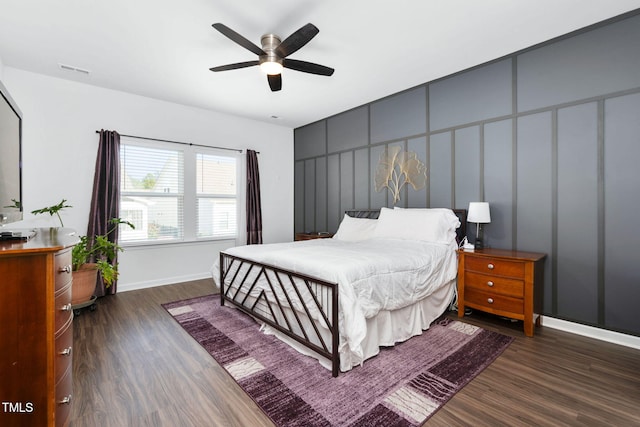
65,400
490,284
65,269
66,352
490,266
66,307
490,300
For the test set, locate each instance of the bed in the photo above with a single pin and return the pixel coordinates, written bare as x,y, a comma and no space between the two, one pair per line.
377,282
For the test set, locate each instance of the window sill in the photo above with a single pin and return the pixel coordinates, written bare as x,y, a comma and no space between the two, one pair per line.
173,243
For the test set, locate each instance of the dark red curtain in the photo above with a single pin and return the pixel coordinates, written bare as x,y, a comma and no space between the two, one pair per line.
105,202
254,206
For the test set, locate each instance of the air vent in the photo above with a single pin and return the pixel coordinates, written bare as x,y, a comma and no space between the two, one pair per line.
72,68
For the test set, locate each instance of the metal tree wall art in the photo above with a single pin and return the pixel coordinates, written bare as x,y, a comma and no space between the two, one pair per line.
397,168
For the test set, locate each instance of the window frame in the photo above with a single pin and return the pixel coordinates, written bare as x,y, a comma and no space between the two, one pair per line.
189,195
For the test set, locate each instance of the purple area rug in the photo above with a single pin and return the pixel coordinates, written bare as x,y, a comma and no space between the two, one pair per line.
402,386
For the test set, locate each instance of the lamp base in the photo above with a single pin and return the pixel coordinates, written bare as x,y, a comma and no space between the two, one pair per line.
478,244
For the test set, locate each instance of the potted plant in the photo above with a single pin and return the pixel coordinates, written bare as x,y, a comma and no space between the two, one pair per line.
92,256
52,210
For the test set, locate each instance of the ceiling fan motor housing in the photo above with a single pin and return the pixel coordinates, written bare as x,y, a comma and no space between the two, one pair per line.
270,43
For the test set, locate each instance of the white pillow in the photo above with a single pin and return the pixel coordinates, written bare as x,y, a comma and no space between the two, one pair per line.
450,217
430,225
355,229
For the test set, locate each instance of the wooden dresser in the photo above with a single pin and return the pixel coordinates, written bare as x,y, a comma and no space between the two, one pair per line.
36,329
503,282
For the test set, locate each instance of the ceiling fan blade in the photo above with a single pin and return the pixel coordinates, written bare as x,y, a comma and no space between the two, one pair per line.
238,38
275,82
307,67
296,40
235,66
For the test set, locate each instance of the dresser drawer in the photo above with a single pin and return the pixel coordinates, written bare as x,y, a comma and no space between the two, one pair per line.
62,268
64,351
494,303
494,284
64,399
494,266
64,312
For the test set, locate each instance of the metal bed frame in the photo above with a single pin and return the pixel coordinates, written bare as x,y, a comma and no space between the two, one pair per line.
280,312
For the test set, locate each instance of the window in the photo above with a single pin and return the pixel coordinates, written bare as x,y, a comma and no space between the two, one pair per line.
176,193
216,195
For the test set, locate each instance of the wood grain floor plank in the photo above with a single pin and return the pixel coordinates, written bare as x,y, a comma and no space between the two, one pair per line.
135,366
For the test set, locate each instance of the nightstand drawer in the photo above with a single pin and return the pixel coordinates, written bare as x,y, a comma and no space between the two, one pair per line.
494,303
495,266
494,284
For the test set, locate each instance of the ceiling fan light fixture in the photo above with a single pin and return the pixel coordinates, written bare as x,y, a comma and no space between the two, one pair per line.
271,67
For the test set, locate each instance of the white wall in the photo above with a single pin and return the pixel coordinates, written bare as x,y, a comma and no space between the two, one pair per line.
59,152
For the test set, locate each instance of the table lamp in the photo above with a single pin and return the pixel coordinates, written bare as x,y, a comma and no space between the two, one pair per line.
479,213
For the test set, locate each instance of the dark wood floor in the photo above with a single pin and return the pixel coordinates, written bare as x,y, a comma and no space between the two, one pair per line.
134,366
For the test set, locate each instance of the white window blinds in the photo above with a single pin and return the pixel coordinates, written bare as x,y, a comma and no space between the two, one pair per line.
216,190
176,193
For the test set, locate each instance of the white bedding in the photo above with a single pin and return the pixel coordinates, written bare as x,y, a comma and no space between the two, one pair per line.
373,275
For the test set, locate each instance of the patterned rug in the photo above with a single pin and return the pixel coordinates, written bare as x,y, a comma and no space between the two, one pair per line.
402,386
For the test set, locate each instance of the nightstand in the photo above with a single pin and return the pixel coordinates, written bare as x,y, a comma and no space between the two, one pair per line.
503,282
309,236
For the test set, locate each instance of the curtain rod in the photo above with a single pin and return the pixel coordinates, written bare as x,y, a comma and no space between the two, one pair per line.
180,142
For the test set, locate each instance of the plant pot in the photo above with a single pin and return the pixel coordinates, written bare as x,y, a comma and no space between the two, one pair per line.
84,283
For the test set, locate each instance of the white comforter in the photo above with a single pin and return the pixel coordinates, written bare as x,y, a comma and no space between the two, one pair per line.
373,275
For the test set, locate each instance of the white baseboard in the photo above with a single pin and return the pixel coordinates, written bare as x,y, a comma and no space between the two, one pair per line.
165,281
550,322
591,332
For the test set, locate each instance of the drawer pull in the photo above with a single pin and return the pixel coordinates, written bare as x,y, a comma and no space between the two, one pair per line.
490,266
490,300
66,307
65,400
490,284
65,269
66,352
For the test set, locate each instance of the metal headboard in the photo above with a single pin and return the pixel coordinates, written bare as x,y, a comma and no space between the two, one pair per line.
363,213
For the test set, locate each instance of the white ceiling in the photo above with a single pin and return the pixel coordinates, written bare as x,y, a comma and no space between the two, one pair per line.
163,49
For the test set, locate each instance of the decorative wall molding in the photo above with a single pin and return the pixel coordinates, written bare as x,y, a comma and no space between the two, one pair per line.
527,132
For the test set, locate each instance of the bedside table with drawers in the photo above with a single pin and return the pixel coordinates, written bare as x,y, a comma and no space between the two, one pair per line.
309,236
503,282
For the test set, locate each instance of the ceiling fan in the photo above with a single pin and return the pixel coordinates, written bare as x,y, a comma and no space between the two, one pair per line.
272,57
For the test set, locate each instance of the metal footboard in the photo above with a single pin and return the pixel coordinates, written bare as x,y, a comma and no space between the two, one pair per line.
297,305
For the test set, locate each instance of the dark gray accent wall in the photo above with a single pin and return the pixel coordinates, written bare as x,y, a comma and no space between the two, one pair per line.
549,136
621,204
577,244
599,62
534,191
480,94
399,116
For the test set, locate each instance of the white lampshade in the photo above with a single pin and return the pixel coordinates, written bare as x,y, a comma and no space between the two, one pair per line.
479,212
